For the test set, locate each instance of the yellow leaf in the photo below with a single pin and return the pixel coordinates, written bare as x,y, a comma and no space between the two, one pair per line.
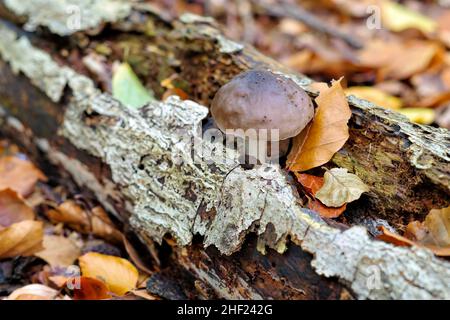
327,133
119,274
376,96
419,115
58,251
340,187
397,17
21,239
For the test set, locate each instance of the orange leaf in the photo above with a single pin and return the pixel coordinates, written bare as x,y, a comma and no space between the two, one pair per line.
175,92
312,184
119,274
19,175
90,289
95,221
328,131
21,239
324,211
13,209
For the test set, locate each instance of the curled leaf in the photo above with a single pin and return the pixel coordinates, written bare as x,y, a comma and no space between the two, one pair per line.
13,208
21,239
95,221
327,133
90,289
340,187
119,275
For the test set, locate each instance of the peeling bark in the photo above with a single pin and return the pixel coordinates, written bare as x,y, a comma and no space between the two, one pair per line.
151,176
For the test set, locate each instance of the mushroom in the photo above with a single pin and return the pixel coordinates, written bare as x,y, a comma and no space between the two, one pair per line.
259,99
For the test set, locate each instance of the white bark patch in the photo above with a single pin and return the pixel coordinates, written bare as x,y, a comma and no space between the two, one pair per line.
65,17
151,164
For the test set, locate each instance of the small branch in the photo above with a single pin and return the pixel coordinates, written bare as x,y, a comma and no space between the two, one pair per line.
285,10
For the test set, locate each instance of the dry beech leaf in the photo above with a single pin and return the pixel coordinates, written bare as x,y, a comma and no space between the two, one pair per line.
340,187
397,17
33,292
19,175
327,133
13,208
58,251
90,289
119,274
21,239
376,96
94,222
312,184
143,293
434,231
397,60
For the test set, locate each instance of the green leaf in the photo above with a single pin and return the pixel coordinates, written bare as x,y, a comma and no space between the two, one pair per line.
340,187
127,88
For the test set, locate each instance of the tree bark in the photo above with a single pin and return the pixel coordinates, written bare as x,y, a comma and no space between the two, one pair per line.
138,163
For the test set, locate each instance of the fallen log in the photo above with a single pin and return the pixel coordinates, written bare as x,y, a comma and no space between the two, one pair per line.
139,164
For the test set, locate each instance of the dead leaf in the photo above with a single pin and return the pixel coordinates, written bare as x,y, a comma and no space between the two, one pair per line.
119,274
33,292
21,239
324,211
142,293
134,256
312,184
94,222
58,251
13,208
398,60
90,289
419,115
376,96
175,92
19,175
434,231
397,17
340,187
327,133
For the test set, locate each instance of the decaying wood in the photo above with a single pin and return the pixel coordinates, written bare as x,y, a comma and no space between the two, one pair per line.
141,166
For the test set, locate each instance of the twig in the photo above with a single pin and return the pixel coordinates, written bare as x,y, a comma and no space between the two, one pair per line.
296,12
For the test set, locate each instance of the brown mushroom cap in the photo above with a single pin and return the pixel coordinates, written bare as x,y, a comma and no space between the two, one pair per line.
262,100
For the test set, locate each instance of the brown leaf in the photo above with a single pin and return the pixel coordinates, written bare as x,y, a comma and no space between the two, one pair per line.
13,209
94,222
90,289
135,257
397,60
119,274
21,239
394,238
58,251
19,175
327,134
323,210
312,184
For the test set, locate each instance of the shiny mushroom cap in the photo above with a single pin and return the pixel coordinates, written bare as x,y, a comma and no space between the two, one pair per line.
262,100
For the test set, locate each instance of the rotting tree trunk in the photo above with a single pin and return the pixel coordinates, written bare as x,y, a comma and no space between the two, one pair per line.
140,168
